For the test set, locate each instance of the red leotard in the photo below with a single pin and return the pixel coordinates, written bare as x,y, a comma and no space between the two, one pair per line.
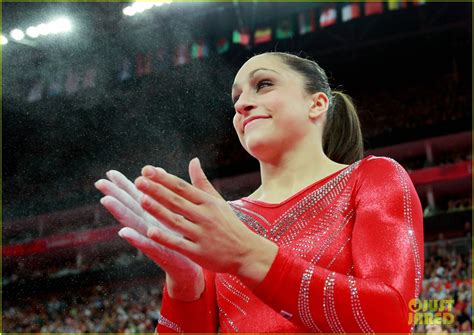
350,259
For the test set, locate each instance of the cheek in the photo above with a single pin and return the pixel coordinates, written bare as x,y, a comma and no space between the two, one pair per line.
235,122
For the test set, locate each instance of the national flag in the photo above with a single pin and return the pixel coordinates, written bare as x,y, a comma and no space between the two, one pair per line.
262,35
199,50
147,63
241,37
350,12
36,92
125,71
143,65
222,45
307,22
328,17
181,55
161,60
284,30
72,82
417,3
394,5
55,87
89,78
371,8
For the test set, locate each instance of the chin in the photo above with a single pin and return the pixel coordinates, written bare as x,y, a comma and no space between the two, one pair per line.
261,149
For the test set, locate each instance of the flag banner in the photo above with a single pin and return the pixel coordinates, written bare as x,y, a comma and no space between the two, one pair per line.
418,2
147,63
162,60
199,50
394,5
262,35
241,37
284,30
139,65
371,8
89,78
307,22
55,88
222,45
350,12
181,55
72,82
125,71
36,92
328,17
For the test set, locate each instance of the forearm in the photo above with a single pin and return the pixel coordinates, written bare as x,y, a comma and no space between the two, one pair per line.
194,316
318,299
186,288
256,261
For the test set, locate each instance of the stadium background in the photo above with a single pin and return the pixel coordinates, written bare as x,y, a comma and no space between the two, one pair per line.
119,92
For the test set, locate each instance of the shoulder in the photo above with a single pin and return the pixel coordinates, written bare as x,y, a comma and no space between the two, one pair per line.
381,172
379,166
372,162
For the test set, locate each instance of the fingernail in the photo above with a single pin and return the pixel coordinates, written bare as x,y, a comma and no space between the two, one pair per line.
143,182
148,171
151,232
160,171
146,202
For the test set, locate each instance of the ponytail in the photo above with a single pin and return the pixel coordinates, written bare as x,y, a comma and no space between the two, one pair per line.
342,136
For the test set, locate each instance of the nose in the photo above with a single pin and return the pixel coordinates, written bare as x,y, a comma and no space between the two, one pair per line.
243,106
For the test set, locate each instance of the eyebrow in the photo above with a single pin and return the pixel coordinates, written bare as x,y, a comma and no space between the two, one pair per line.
253,72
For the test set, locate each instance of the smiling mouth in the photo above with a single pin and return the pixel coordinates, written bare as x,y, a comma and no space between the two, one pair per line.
251,121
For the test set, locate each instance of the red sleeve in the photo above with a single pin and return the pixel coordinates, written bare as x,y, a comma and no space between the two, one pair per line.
387,251
197,316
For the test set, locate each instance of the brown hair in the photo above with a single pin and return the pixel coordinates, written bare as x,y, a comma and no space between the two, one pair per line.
342,135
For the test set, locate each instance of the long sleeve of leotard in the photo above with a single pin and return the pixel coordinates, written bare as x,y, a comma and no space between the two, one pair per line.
387,251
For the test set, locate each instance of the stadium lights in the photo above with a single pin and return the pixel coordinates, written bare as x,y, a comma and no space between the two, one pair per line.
17,34
140,7
60,25
4,40
32,32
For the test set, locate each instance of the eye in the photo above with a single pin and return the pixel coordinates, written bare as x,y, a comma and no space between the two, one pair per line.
263,83
234,99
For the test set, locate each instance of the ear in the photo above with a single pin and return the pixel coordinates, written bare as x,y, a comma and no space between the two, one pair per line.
320,105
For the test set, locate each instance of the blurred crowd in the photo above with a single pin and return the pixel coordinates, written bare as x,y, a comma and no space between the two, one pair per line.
128,309
134,307
448,268
416,106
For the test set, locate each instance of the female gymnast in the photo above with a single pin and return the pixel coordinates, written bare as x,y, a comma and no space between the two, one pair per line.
329,242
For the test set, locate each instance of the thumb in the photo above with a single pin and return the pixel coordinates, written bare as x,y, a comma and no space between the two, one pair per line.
199,179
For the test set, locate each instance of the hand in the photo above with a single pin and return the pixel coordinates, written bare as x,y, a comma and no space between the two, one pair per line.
211,234
184,277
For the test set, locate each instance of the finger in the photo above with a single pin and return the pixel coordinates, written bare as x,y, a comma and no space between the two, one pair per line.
178,244
199,179
172,220
175,184
169,199
124,183
124,215
169,260
109,188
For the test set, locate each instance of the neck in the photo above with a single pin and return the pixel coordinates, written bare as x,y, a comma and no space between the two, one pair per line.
293,171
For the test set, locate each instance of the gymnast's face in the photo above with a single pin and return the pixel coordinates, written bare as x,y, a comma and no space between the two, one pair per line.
271,107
